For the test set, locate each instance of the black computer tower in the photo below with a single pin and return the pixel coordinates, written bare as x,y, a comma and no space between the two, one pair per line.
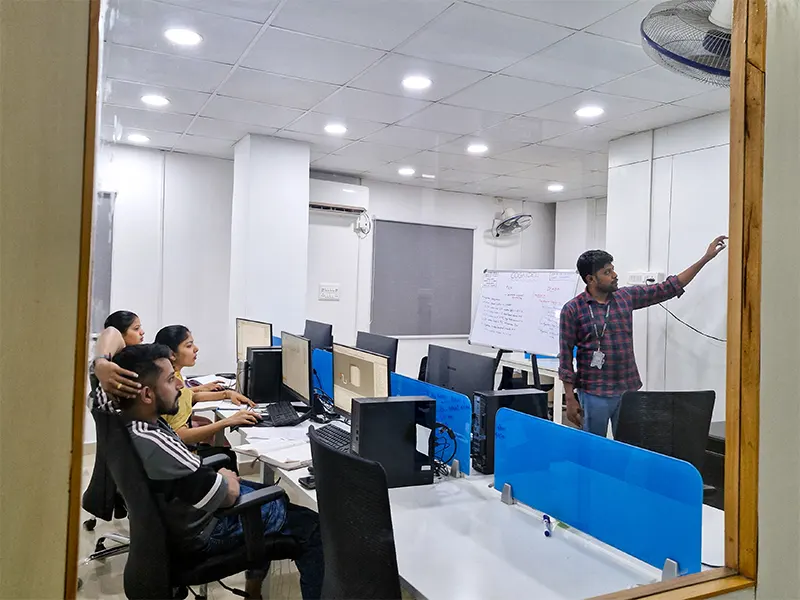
386,430
263,371
484,409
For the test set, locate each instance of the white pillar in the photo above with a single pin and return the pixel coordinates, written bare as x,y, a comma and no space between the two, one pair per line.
269,233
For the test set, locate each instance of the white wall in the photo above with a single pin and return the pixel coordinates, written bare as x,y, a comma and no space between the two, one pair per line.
580,226
667,200
335,257
533,249
171,256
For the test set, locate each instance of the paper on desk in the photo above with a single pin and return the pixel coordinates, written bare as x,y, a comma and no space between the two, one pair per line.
209,405
212,378
299,434
423,439
285,454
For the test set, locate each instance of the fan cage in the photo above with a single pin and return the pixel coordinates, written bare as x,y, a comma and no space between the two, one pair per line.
514,224
678,35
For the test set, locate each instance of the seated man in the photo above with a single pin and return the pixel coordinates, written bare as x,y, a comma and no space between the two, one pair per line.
188,493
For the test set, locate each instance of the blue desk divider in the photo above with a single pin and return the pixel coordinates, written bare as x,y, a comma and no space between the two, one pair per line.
276,341
452,409
645,504
322,363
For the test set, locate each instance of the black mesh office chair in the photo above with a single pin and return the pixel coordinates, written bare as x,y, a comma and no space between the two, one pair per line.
102,501
355,525
671,423
153,570
423,369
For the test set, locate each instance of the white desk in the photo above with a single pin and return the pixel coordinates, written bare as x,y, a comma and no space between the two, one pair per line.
455,539
548,368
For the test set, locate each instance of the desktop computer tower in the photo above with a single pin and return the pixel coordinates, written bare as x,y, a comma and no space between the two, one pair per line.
263,374
390,431
484,410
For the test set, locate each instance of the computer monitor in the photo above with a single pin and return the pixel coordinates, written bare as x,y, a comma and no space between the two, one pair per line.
296,367
357,374
263,375
379,344
251,333
462,372
320,334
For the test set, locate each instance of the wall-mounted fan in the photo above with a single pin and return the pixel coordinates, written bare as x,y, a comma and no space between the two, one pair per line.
507,223
691,38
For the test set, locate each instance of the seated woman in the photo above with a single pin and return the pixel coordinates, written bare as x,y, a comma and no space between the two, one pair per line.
122,328
184,354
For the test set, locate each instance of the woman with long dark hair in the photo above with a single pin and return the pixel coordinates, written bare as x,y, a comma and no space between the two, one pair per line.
179,340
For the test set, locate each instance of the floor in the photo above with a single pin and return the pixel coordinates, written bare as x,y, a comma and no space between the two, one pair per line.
103,579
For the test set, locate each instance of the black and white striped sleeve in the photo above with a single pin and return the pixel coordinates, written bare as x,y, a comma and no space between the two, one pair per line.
166,459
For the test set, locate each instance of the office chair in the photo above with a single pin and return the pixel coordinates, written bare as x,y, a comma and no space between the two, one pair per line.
102,501
154,570
671,423
355,525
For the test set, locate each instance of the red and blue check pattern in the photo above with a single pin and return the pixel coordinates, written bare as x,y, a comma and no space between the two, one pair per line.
619,373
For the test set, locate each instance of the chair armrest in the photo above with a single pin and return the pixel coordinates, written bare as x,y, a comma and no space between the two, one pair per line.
248,509
216,461
253,499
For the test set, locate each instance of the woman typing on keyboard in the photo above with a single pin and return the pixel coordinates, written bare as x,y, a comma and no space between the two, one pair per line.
184,354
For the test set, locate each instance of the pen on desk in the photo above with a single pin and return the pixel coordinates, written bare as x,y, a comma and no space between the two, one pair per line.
548,526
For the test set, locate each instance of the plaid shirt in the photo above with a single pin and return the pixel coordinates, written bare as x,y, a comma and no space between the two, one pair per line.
619,373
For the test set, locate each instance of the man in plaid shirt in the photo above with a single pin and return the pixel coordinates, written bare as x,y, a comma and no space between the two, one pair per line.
599,322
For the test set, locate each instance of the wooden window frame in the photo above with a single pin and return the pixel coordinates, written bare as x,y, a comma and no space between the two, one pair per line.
748,58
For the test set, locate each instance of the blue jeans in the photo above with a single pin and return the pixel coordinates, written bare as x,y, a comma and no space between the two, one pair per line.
597,410
299,522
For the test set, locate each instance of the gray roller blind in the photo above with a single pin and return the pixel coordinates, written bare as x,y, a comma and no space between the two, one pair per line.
422,279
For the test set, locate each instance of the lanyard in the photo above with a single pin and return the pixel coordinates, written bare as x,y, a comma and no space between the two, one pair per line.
599,335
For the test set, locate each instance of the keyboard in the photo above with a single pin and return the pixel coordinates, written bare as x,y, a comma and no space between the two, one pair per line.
335,437
283,414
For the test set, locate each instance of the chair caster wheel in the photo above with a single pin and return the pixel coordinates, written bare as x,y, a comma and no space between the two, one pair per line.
99,546
90,524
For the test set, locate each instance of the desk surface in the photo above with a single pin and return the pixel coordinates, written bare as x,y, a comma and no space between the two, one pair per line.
480,548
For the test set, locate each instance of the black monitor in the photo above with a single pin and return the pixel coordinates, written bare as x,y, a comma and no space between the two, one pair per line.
379,344
462,372
320,334
263,374
296,367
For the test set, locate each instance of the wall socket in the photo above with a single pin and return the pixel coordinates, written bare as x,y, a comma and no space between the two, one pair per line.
329,292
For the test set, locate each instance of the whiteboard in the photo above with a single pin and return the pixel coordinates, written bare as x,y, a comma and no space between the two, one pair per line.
520,310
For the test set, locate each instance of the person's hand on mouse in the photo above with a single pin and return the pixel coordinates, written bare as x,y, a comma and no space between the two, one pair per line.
238,399
243,417
115,380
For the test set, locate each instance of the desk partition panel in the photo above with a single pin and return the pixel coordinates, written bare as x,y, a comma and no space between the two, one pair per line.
322,363
645,504
452,409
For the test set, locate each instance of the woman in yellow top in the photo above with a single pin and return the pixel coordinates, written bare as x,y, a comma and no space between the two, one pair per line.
180,341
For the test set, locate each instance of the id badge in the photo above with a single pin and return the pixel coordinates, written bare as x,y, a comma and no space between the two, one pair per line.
598,359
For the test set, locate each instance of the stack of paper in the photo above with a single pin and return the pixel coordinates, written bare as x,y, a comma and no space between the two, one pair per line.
283,453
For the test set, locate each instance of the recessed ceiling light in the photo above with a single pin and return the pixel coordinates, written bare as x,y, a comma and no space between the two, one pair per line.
183,37
587,112
138,138
155,100
406,171
427,176
416,82
477,148
555,187
335,129
348,190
